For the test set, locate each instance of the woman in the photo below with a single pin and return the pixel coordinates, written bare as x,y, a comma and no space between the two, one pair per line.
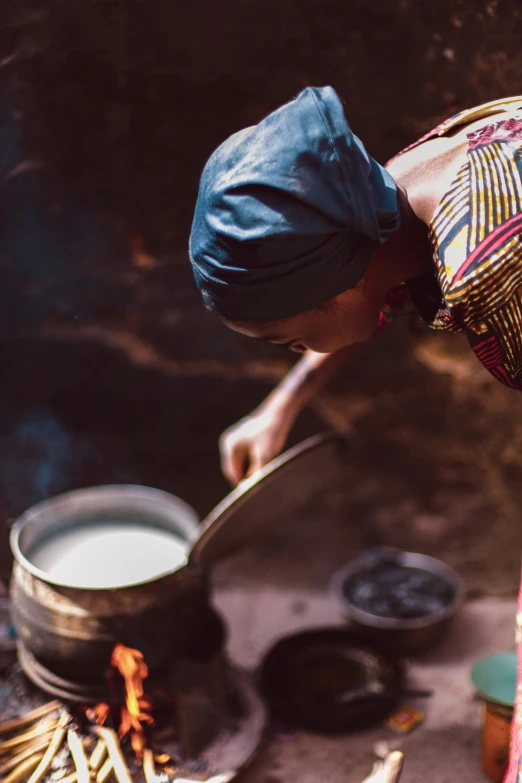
302,239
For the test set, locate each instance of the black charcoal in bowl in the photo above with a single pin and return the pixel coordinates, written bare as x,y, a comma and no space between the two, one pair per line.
385,588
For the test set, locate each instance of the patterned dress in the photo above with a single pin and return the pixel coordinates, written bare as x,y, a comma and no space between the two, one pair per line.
476,240
476,243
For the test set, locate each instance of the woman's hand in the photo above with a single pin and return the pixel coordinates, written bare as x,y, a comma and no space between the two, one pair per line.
252,442
255,440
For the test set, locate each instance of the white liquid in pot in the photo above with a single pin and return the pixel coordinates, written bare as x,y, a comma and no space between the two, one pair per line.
109,554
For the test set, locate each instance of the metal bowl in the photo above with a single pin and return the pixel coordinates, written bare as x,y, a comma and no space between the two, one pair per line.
402,636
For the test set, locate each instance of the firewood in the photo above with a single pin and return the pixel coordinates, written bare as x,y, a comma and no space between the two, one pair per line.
72,778
52,750
12,744
32,744
121,769
24,769
24,753
8,726
98,755
78,756
105,771
387,771
149,767
225,778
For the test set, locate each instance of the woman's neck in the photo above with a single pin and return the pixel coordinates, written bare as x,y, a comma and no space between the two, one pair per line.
407,253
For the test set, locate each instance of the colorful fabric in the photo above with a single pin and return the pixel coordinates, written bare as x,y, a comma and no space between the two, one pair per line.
475,239
289,212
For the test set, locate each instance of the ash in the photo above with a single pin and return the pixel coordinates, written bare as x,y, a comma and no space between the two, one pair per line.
17,695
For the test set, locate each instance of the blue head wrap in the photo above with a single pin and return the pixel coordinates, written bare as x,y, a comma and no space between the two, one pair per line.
289,212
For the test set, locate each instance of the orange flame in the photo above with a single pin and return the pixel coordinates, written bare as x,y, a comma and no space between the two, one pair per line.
131,665
99,713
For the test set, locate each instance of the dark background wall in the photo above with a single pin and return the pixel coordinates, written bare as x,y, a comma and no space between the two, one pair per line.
112,371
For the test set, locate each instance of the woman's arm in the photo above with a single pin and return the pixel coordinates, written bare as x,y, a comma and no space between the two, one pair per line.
255,440
259,437
304,380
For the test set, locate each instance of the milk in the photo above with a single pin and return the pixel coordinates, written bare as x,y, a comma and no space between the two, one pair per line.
109,554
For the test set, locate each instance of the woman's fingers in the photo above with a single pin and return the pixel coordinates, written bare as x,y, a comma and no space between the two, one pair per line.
234,458
258,458
239,464
250,444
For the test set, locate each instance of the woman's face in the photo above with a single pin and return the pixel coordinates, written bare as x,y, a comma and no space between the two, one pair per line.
350,318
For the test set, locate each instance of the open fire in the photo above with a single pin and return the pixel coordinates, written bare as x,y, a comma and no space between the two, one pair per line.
48,745
136,713
196,720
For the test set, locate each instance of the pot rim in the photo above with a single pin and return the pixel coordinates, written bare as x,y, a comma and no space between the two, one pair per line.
148,497
411,560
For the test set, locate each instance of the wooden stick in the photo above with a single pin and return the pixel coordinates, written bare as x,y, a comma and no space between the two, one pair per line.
44,727
25,753
105,772
39,738
225,778
52,750
24,769
72,778
387,771
32,746
98,755
149,768
8,726
121,769
78,756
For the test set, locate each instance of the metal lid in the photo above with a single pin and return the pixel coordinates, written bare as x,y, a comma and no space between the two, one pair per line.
280,488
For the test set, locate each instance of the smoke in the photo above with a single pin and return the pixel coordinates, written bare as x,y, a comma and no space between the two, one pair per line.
35,460
40,457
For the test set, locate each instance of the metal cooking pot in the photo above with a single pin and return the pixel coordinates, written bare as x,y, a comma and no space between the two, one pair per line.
402,636
72,629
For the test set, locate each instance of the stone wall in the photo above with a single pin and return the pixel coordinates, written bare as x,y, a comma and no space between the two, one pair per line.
112,371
